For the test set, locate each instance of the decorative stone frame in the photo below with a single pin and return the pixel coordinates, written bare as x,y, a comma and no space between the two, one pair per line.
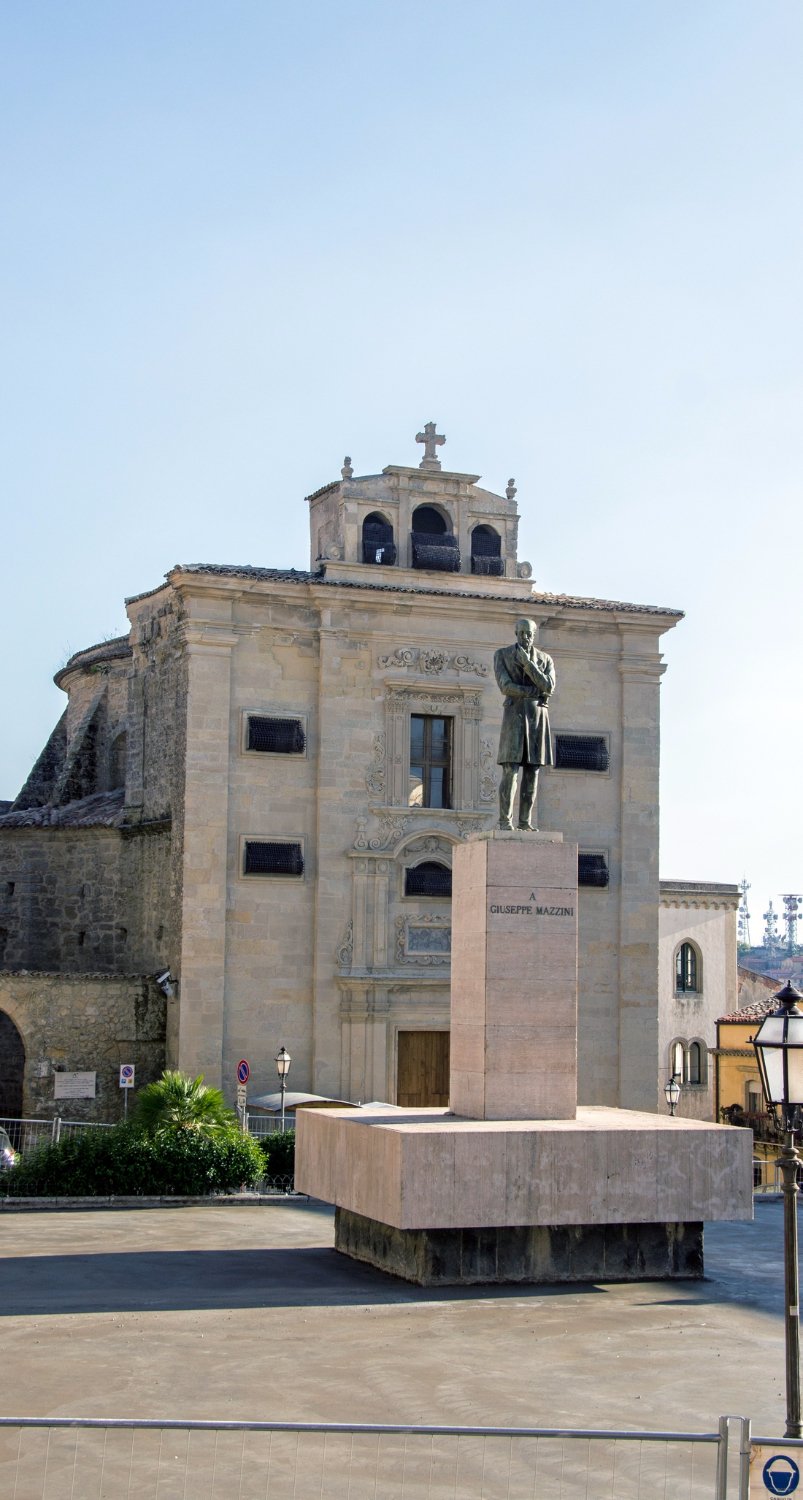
464,706
408,953
272,713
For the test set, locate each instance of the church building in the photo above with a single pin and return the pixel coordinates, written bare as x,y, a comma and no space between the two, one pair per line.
240,834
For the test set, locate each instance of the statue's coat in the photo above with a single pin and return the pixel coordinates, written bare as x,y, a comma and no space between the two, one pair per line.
526,683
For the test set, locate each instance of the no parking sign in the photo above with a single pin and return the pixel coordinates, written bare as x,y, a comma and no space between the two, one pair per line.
126,1075
243,1071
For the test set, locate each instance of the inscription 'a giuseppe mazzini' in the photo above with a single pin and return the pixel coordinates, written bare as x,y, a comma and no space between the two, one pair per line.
532,909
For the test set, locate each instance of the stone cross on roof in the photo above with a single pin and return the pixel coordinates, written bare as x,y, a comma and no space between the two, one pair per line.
431,440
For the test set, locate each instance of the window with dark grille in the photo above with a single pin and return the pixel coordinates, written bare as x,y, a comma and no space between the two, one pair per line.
378,545
592,869
430,878
581,752
433,546
272,858
486,552
440,554
430,761
686,976
275,736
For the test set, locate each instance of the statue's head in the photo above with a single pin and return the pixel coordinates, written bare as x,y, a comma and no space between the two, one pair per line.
526,632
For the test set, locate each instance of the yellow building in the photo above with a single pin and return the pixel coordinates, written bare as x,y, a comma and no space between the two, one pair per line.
739,1095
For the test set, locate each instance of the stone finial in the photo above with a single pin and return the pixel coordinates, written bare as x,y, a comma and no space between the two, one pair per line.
347,470
511,489
432,440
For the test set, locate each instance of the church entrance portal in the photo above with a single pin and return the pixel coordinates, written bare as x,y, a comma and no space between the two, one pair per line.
12,1069
423,1069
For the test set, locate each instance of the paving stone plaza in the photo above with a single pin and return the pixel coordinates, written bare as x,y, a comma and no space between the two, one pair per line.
224,1312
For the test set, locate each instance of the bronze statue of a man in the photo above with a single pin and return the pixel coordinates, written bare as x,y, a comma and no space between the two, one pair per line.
526,677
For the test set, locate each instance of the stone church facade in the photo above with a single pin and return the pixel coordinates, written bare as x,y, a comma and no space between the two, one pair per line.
260,788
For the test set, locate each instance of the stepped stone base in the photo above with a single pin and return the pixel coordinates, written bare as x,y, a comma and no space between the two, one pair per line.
535,1254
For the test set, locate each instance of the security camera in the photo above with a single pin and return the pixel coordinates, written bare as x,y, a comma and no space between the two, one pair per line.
166,983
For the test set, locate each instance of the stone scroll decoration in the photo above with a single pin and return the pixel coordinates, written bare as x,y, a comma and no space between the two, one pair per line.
423,940
345,949
488,771
432,661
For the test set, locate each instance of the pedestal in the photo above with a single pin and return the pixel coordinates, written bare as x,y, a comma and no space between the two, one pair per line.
514,978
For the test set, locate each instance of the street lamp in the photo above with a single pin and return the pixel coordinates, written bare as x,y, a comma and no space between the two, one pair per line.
672,1093
778,1046
283,1061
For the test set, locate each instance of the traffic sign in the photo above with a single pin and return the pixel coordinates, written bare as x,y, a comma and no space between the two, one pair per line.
126,1075
243,1071
241,1095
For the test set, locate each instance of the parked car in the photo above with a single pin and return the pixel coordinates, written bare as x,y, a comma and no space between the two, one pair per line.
8,1156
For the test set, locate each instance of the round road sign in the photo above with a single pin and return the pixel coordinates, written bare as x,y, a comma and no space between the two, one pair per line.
243,1071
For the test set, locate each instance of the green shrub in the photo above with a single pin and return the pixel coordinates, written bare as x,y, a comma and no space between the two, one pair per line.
125,1162
178,1102
279,1154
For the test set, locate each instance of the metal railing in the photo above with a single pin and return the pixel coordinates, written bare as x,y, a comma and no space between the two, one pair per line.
47,1459
27,1134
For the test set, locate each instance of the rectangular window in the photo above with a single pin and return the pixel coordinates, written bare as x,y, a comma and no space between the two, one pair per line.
430,761
275,736
262,857
581,752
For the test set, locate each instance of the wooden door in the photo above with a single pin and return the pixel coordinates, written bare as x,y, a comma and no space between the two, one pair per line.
423,1069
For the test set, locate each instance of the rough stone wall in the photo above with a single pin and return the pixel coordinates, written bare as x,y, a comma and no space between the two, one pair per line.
84,1023
84,900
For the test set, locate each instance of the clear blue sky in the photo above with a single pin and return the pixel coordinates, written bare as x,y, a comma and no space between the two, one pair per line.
243,239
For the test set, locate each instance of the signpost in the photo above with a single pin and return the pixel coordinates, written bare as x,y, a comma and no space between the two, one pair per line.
126,1083
243,1075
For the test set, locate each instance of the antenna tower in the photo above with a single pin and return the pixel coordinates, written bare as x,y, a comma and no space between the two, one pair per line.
772,937
744,915
791,911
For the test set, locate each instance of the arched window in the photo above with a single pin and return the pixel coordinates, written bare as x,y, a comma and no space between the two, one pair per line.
687,970
486,551
433,545
697,1064
378,545
677,1061
429,878
428,521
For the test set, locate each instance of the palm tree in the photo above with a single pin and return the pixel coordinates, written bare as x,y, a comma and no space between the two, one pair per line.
176,1102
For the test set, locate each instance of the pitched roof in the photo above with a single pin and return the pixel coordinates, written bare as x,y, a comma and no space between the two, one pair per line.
101,810
294,575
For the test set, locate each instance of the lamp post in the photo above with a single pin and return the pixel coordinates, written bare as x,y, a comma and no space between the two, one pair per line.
778,1046
283,1061
672,1093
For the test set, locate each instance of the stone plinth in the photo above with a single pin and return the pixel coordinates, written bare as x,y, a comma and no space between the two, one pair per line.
514,978
426,1169
433,1198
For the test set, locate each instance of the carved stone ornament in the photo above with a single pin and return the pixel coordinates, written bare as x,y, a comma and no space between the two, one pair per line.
432,661
424,940
487,771
375,780
346,948
467,826
389,832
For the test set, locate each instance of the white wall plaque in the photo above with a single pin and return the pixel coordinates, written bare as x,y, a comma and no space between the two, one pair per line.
74,1085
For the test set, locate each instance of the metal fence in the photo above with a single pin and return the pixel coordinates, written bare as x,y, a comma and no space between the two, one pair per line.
94,1459
26,1134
